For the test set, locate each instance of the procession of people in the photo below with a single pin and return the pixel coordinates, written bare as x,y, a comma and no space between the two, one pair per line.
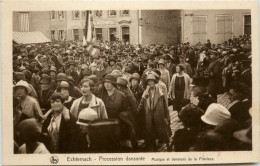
66,100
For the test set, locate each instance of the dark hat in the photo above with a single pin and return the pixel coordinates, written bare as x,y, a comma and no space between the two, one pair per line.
200,81
110,78
190,114
122,81
62,77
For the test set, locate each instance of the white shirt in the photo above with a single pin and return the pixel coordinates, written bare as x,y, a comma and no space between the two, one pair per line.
55,123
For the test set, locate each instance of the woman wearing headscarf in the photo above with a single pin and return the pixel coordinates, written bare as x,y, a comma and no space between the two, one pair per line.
157,117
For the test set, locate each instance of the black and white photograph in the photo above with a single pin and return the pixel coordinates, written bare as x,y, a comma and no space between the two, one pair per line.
131,81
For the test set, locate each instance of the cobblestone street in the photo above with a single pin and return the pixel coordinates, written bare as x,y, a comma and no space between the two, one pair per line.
175,121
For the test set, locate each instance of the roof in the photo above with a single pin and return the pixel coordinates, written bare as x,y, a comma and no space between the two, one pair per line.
29,37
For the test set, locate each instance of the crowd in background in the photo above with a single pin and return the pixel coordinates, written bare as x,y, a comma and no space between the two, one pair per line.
66,100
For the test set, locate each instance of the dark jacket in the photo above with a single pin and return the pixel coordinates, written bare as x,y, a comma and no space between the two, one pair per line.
114,104
44,102
215,77
239,111
68,133
246,77
137,92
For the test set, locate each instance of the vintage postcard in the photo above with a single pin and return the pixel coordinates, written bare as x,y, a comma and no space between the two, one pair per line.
135,83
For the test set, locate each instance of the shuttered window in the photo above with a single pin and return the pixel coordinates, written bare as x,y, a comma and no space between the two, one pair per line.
224,28
24,22
199,29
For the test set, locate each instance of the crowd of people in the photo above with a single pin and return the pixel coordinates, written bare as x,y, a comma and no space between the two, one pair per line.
66,100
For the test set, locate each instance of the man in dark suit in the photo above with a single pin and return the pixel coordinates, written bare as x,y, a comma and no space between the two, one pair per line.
60,127
215,77
246,74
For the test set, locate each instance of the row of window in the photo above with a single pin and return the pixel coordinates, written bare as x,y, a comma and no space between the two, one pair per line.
76,14
99,34
224,28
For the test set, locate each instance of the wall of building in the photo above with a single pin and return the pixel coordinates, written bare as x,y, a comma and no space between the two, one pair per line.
211,25
161,26
105,22
38,21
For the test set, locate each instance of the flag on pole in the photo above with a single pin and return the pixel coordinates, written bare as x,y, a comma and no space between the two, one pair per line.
89,37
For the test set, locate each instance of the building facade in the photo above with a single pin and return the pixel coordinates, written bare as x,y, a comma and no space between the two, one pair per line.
139,26
216,25
27,21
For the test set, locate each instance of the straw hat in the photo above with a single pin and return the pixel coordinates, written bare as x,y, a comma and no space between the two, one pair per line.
215,114
24,84
151,76
86,115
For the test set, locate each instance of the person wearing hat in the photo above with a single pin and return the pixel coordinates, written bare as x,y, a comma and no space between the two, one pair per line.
114,100
161,84
128,117
112,65
135,87
179,89
165,75
157,117
215,76
184,138
88,100
63,88
86,116
44,93
199,88
215,114
186,65
30,135
72,71
29,105
61,131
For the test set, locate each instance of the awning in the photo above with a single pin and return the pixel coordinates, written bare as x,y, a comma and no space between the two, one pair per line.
29,37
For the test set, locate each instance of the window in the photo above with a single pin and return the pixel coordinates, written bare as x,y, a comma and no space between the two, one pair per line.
125,34
98,13
224,28
61,35
53,35
112,34
247,24
24,22
52,15
112,13
124,12
199,29
75,14
98,33
61,14
76,34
